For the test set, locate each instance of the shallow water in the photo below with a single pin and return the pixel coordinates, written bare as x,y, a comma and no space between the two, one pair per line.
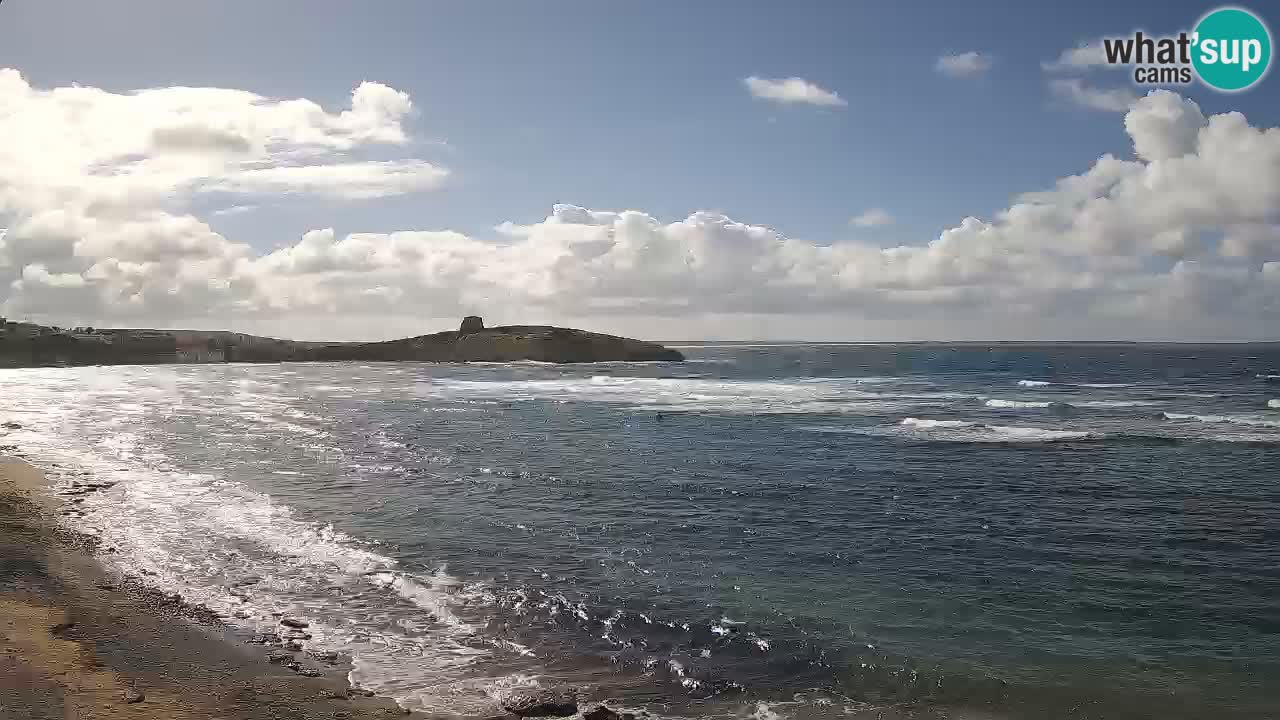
794,530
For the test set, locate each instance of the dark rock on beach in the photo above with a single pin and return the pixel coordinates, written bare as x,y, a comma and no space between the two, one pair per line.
602,712
541,704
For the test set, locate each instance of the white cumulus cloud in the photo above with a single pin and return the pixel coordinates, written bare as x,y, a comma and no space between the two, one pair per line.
1083,57
1077,92
356,180
792,90
965,64
874,217
1179,241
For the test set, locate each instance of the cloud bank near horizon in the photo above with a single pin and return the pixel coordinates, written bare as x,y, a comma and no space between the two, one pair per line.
97,190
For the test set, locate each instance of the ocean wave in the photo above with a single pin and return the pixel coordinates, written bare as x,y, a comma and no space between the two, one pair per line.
850,395
998,403
958,431
1274,403
434,594
1034,434
1114,403
264,419
1046,383
1251,420
1064,405
927,423
976,433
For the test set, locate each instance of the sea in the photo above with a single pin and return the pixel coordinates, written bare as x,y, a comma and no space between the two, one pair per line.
770,531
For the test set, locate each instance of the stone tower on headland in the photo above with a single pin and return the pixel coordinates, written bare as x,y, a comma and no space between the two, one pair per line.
470,324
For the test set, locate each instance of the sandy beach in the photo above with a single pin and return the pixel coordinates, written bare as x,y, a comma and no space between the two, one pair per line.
78,643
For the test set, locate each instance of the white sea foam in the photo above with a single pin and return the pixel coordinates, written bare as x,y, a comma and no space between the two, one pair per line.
961,431
1274,403
1032,434
765,711
1252,420
432,593
1023,404
1046,383
927,423
683,394
1113,403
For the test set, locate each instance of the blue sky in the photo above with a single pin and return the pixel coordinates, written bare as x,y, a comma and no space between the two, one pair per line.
614,106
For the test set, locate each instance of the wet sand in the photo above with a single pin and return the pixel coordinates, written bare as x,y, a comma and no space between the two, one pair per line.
77,643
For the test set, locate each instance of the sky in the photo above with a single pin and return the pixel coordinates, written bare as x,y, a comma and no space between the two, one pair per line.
711,170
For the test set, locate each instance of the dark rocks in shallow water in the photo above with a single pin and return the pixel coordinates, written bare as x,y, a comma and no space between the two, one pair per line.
328,657
133,696
11,425
330,694
280,658
541,704
602,712
294,623
1062,408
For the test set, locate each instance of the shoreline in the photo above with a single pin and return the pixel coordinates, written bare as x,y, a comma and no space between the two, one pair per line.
76,641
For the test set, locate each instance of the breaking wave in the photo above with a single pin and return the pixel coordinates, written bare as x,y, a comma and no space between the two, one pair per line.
1046,383
964,431
1115,403
1023,404
926,423
1251,420
848,395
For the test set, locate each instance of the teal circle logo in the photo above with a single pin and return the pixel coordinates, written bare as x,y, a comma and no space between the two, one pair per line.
1232,49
